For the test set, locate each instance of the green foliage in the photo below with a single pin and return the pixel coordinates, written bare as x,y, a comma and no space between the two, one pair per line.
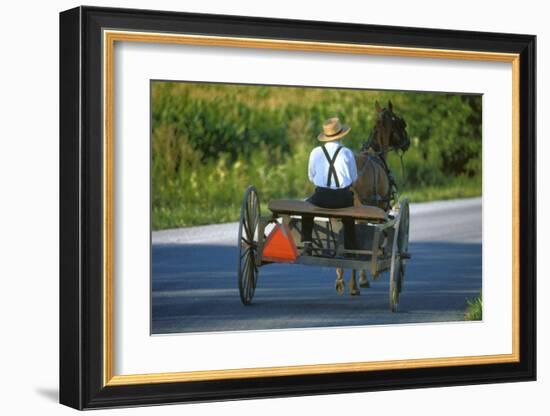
211,141
474,309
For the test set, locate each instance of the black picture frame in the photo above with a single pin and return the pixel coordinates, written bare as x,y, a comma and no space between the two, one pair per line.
81,201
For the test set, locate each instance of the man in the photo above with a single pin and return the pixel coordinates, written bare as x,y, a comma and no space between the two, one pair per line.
332,170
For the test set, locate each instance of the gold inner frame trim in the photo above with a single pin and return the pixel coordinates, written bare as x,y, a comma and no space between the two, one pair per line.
110,37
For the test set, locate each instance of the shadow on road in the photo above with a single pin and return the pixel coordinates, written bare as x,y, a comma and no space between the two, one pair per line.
194,289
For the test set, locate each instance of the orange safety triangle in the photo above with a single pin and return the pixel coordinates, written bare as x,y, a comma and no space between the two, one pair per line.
279,245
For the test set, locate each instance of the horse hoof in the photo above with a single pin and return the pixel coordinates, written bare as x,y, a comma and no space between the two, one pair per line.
355,292
365,284
340,287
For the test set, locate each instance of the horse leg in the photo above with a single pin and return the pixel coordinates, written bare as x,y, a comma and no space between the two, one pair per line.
353,288
339,284
363,281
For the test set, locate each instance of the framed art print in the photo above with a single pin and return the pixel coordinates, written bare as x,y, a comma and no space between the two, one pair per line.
258,207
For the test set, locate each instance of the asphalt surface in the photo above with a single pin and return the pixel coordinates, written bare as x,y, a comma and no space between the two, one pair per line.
194,279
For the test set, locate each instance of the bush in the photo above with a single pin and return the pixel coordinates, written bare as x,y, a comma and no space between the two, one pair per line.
210,141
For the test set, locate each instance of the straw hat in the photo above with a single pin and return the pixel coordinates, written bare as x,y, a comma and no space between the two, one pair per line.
333,130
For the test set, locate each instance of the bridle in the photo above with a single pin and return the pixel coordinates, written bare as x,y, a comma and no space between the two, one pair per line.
397,123
372,149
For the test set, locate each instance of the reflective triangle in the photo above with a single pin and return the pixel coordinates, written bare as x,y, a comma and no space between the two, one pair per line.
279,245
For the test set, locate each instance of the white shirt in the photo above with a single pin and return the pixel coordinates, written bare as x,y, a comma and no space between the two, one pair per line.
344,165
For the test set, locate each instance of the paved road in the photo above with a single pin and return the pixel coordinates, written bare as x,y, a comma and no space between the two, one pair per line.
195,287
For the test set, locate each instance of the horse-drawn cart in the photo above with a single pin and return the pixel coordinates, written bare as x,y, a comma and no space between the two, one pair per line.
382,241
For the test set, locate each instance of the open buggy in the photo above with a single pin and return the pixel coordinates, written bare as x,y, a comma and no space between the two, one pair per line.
382,237
381,222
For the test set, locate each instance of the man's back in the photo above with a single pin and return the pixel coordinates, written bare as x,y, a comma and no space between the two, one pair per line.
344,166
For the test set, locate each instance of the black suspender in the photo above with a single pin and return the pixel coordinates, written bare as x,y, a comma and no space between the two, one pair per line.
331,170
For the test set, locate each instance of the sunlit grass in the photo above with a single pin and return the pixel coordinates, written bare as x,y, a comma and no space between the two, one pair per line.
208,193
474,309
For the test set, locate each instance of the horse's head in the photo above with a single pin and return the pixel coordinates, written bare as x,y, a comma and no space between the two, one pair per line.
390,130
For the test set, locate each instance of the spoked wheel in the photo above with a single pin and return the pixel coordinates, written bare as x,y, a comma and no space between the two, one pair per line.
400,254
248,245
403,240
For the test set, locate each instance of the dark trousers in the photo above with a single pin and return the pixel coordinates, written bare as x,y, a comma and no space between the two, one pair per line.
331,198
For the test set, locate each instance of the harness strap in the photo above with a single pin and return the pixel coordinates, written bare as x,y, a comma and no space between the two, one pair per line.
331,169
377,158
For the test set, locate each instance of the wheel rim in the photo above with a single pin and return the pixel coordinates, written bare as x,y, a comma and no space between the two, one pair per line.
248,245
400,245
403,240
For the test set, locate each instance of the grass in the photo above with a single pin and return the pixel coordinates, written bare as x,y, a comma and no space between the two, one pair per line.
211,192
206,192
474,309
455,189
210,212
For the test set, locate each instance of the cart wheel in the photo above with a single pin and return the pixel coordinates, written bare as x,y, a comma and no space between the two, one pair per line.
400,246
403,240
248,245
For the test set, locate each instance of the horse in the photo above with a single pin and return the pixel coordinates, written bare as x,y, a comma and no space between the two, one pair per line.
375,184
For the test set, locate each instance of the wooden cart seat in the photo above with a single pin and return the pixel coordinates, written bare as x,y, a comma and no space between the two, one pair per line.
297,207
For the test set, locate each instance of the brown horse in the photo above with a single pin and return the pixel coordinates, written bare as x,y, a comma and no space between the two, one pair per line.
374,184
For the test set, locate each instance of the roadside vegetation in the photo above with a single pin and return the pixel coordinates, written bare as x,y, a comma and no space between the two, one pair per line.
210,141
474,309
